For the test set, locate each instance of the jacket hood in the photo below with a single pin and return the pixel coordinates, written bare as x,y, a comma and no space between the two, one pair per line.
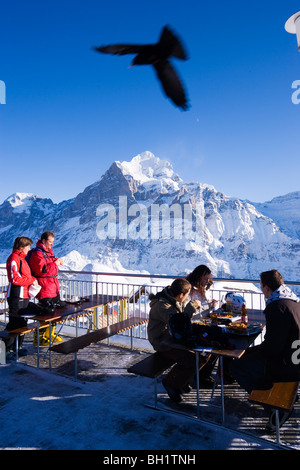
166,293
283,292
40,245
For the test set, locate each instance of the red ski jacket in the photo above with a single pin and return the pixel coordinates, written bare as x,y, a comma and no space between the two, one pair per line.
19,275
44,268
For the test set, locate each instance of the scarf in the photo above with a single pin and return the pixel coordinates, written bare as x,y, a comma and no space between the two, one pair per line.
283,292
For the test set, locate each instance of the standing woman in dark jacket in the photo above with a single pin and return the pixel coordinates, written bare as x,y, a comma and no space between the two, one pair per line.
20,278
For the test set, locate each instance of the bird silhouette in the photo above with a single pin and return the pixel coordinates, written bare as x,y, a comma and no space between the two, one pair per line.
158,55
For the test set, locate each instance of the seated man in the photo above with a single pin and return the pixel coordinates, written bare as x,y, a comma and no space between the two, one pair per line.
272,360
163,305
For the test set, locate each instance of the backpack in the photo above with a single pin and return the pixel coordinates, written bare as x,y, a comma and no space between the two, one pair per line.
29,254
192,334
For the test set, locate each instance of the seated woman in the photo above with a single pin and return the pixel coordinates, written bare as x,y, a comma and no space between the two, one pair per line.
201,281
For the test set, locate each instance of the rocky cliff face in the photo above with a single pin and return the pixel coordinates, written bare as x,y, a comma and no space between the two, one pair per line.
140,216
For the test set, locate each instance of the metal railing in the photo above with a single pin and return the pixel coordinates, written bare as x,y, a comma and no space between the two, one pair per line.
134,290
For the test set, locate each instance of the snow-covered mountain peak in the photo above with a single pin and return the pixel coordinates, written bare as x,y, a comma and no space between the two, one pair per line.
146,167
20,199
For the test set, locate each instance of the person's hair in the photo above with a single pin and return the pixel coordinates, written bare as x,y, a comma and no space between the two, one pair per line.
47,234
180,286
273,279
21,242
195,278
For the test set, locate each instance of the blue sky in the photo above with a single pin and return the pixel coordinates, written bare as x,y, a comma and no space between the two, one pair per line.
71,112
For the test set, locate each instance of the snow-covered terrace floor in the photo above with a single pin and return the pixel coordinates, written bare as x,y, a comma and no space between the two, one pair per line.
105,409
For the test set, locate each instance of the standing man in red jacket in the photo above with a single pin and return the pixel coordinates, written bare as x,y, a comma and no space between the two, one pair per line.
44,266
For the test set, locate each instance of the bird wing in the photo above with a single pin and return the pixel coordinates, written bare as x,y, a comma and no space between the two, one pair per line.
171,83
169,40
119,49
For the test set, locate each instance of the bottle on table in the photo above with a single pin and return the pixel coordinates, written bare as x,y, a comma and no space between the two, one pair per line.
213,316
229,306
244,315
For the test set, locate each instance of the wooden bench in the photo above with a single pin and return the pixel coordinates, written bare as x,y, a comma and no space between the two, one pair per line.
281,396
156,364
73,345
23,330
152,366
39,324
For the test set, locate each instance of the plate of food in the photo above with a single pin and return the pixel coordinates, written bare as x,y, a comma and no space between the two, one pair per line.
226,317
202,322
243,329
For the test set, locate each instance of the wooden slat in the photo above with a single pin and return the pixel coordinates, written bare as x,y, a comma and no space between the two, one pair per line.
25,329
80,342
152,366
282,395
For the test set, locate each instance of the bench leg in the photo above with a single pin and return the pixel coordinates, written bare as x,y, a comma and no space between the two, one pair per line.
217,378
222,391
277,427
198,384
17,348
131,339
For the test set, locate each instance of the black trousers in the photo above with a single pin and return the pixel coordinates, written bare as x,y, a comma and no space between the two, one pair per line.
16,307
184,370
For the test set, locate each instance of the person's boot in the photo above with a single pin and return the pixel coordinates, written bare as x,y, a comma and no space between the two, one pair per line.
43,341
54,338
174,393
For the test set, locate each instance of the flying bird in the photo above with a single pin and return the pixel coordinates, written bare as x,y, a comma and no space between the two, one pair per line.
157,55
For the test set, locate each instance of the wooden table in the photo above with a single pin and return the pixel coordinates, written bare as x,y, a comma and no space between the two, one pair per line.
70,311
241,342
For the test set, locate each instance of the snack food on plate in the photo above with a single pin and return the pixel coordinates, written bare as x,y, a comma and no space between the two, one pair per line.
225,315
237,327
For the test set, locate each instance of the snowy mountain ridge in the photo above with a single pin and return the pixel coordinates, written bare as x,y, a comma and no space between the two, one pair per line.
140,216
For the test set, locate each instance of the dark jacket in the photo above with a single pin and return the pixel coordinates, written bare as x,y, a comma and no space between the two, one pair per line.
281,332
162,306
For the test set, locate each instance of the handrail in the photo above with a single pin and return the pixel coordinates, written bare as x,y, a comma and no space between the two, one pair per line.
157,276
